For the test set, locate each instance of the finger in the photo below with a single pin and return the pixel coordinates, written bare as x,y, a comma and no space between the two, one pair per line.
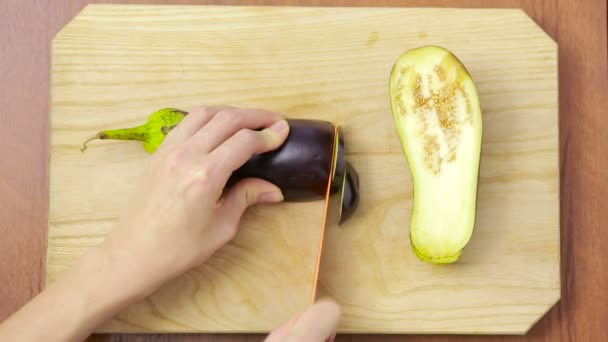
245,193
317,323
235,151
193,122
237,199
227,122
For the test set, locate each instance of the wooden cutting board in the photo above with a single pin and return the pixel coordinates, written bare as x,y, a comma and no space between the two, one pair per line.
115,64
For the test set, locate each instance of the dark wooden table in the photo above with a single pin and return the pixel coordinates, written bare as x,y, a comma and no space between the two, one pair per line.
579,26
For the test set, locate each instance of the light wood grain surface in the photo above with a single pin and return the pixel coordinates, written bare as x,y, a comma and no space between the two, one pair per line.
113,65
28,26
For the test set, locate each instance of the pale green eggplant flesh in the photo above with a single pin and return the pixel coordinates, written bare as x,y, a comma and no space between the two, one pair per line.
436,110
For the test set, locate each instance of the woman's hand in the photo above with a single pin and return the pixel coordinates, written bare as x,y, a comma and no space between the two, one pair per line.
179,215
177,218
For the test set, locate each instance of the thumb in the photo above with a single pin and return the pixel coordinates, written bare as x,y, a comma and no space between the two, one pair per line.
233,204
317,324
246,193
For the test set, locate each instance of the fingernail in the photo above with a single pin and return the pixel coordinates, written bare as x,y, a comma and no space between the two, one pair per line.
332,338
270,197
279,126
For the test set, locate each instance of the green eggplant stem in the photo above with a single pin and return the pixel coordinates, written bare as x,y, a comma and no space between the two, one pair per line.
134,133
152,133
89,139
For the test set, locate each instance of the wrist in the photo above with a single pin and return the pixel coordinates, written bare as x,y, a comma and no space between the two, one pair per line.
89,294
100,285
128,273
143,260
105,284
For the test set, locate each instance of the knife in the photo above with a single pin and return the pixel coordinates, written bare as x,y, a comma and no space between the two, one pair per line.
334,198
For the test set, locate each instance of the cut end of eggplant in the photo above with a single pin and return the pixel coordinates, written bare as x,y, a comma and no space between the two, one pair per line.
350,193
345,181
436,110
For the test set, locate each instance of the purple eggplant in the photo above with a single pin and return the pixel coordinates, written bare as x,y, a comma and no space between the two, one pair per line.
301,167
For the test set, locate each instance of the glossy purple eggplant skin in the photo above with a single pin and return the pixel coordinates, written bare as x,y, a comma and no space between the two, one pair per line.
301,166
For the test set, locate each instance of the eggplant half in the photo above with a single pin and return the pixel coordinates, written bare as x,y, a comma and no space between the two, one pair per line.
302,166
436,109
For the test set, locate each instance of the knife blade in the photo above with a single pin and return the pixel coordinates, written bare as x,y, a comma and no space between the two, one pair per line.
333,200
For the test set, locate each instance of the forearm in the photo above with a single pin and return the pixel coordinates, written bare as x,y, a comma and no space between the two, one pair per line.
87,295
